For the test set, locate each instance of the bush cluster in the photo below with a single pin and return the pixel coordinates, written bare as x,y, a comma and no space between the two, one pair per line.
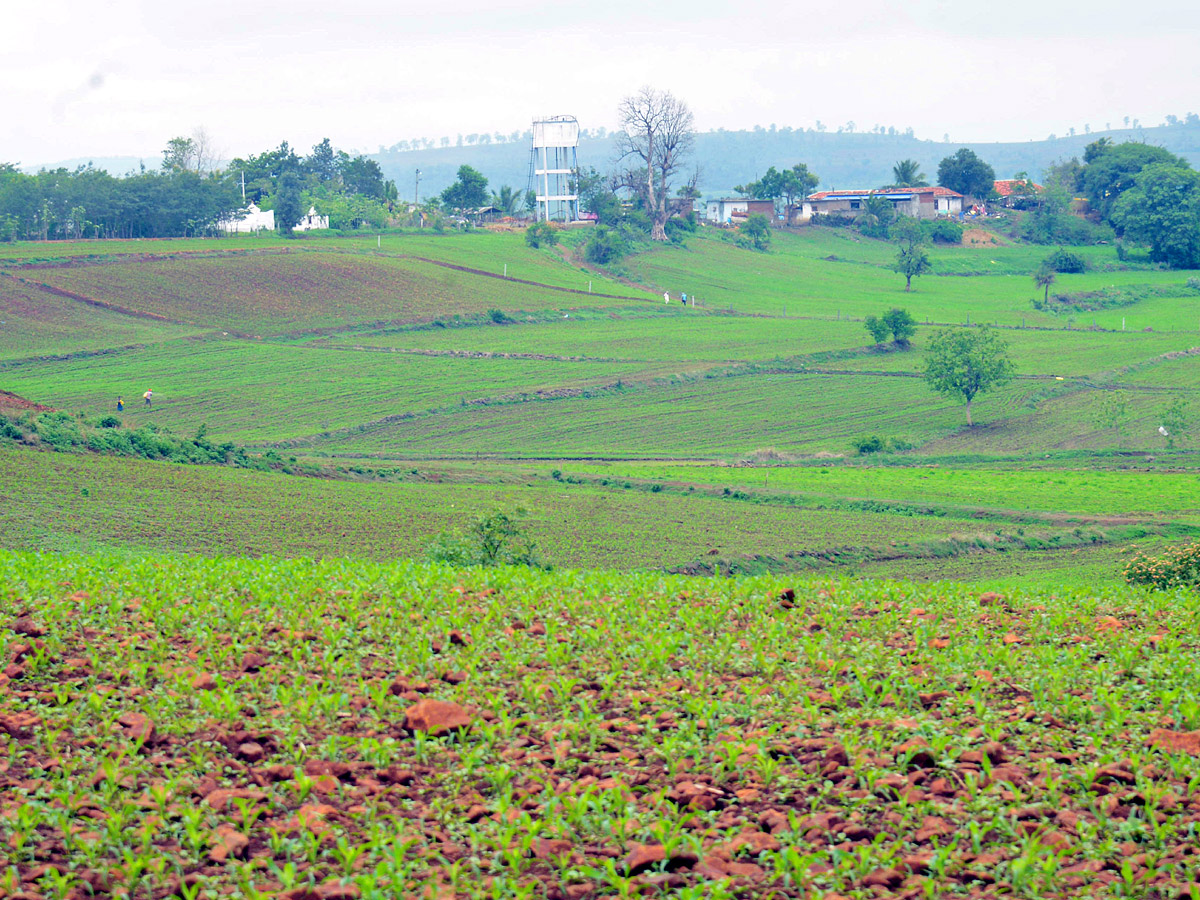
63,432
1174,569
875,444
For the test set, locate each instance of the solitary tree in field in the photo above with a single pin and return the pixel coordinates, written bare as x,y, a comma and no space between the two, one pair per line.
658,130
912,259
1044,277
964,362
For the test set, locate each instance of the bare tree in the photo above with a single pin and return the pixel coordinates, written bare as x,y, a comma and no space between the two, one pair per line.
658,130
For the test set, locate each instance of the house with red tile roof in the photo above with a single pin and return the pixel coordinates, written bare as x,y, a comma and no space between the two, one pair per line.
920,203
1014,190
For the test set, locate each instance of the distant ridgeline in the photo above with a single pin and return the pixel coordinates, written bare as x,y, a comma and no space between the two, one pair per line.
726,158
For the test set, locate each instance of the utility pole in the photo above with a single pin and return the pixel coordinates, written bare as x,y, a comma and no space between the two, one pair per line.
416,198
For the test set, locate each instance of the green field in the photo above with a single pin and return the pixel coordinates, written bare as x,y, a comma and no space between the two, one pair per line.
414,350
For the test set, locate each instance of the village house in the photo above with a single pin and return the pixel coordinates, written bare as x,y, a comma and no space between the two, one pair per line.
728,209
1014,192
920,203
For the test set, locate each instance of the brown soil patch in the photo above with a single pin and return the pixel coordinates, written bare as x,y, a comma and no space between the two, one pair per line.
977,237
10,401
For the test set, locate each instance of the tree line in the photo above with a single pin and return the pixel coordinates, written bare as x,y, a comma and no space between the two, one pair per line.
189,195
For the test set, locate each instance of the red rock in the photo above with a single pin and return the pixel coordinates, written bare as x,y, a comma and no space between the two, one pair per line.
537,628
278,773
436,717
454,677
837,754
204,682
995,753
460,639
28,627
223,797
550,848
138,727
228,842
932,699
917,863
251,752
918,753
13,671
753,842
1175,741
643,856
316,768
888,878
745,870
990,598
579,891
934,826
337,891
311,817
252,662
1055,840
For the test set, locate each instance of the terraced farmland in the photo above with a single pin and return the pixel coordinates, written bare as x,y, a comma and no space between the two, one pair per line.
419,349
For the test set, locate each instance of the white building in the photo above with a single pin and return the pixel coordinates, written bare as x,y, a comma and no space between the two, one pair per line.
255,219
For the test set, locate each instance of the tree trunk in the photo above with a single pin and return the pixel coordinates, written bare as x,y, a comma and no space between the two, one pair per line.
1047,298
908,284
970,424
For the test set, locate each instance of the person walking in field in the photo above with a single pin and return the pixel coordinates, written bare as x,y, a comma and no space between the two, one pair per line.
666,297
148,396
120,404
684,298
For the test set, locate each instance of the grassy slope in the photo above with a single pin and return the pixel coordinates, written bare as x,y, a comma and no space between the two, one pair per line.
63,501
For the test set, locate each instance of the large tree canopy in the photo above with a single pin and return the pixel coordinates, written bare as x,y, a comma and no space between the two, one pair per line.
1162,209
966,173
469,191
1112,169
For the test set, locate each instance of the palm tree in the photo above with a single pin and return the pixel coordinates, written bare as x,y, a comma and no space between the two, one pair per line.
1044,277
508,201
907,173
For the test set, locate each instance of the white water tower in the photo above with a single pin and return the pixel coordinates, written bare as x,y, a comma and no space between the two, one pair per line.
553,163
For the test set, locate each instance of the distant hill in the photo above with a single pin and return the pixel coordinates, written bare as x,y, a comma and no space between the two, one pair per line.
727,158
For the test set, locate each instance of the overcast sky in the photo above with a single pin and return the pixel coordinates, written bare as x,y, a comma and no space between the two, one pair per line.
120,78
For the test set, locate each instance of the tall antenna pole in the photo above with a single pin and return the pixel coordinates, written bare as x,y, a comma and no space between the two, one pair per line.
416,188
243,185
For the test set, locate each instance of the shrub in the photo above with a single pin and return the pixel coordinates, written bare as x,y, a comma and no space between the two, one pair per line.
491,540
866,445
943,231
877,328
755,234
604,246
541,234
1174,569
498,316
110,422
1066,262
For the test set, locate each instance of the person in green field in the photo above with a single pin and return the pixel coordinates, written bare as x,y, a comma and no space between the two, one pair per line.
148,396
120,404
